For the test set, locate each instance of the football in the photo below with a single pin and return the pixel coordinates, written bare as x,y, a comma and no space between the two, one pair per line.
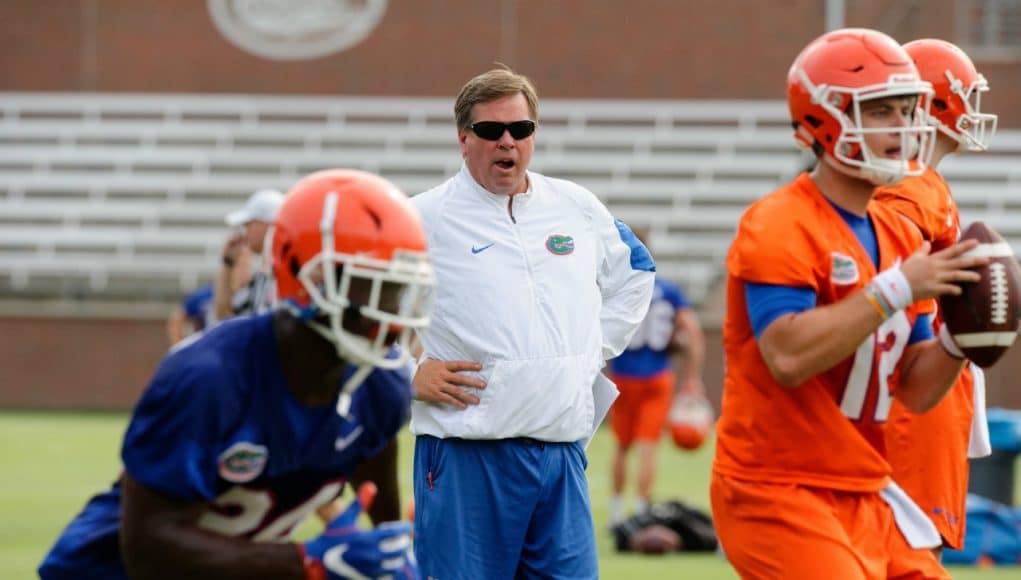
655,539
983,320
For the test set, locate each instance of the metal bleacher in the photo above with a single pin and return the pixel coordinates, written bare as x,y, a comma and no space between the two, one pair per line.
122,197
987,186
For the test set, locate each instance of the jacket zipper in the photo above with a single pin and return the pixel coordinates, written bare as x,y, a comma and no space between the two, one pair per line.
524,252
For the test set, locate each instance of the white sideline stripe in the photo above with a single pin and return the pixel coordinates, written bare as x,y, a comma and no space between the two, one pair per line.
982,339
997,250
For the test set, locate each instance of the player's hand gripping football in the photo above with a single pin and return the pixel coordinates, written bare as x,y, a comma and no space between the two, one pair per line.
438,381
938,273
345,552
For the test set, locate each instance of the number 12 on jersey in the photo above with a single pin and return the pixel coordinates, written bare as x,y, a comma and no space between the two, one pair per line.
888,342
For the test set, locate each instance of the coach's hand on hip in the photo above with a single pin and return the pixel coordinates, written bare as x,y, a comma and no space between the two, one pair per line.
438,381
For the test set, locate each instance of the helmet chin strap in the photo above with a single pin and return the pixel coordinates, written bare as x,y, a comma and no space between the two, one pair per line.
355,381
876,175
350,386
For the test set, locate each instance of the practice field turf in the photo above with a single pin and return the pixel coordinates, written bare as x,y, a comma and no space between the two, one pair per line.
52,462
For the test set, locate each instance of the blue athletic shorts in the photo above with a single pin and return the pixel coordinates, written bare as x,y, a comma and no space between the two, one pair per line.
502,509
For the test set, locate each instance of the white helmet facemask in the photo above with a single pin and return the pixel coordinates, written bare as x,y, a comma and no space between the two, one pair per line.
852,155
974,129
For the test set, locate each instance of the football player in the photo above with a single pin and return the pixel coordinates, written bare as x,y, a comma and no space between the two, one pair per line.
929,452
827,300
247,429
645,375
194,314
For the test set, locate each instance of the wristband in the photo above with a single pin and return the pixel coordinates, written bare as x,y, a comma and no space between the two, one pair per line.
877,302
314,569
892,287
948,343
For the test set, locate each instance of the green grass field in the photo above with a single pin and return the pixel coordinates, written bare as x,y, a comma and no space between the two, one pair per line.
53,462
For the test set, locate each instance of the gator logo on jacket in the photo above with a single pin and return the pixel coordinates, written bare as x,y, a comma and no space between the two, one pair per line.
242,462
560,244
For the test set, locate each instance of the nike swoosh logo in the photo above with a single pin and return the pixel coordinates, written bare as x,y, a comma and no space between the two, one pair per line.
333,560
344,442
482,249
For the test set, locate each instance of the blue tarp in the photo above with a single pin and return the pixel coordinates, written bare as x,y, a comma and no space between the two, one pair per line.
1005,430
993,533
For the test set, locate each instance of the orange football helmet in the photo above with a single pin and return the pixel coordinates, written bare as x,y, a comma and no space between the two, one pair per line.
340,230
826,85
956,108
690,420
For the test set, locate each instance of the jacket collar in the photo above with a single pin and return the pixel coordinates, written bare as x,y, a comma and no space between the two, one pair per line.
520,199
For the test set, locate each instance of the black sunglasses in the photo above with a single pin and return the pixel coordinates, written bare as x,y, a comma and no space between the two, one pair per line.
493,130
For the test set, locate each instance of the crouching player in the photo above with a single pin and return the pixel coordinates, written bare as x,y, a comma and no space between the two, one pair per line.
245,431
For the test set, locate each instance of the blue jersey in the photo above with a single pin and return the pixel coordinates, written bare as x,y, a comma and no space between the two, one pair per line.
647,354
198,307
219,424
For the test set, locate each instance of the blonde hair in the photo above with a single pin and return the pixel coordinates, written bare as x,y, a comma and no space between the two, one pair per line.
490,86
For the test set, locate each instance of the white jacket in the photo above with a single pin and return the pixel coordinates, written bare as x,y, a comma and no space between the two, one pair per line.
541,300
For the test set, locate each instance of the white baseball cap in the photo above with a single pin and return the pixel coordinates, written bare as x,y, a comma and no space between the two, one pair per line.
262,206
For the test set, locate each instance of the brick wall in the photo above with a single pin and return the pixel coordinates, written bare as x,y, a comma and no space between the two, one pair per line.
84,363
664,49
106,363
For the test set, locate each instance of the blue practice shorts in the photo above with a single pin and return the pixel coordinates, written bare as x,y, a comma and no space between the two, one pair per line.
502,509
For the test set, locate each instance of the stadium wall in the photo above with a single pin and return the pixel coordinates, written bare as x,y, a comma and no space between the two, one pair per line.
660,49
105,363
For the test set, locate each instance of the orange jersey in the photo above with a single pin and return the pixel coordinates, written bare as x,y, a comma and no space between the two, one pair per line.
926,201
929,456
929,453
827,432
